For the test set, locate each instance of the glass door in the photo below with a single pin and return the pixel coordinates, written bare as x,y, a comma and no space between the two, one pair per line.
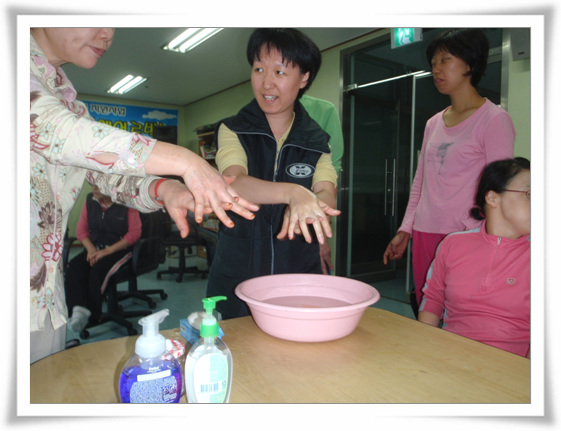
381,169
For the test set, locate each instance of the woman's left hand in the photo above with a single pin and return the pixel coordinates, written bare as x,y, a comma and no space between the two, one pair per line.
178,201
304,209
210,191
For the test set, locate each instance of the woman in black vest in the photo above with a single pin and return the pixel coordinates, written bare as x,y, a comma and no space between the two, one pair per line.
281,160
107,232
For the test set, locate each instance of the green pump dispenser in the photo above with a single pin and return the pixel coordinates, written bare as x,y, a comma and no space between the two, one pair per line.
209,365
209,325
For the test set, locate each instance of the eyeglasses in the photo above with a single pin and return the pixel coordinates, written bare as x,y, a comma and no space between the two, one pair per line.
527,192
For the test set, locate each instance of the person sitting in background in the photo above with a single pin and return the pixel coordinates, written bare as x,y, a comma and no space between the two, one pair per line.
107,231
479,281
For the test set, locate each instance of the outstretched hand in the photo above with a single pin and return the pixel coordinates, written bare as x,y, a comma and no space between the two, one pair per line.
178,201
304,209
211,192
397,247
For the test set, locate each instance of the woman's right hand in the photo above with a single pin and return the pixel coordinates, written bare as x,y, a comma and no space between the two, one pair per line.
397,247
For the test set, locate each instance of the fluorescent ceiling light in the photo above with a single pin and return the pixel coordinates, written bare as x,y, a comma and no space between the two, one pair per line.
191,38
126,84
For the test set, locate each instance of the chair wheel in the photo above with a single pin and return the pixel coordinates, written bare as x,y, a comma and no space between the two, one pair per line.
84,335
132,331
164,295
152,304
178,279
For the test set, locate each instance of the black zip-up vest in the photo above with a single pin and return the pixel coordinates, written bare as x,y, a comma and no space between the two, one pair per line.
106,227
251,248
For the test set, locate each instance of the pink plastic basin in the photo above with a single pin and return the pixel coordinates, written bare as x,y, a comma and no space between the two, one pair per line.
306,307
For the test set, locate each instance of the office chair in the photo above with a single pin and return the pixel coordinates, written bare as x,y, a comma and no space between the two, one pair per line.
172,238
147,258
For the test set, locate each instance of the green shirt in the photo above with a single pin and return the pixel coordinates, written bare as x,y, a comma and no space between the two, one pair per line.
326,115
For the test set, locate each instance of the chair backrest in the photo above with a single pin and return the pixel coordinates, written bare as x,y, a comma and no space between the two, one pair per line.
151,252
170,235
151,223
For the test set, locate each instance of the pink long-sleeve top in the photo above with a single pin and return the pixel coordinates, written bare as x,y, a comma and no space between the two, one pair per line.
132,235
479,285
450,164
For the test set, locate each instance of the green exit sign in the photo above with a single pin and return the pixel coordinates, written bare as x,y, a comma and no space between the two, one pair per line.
405,36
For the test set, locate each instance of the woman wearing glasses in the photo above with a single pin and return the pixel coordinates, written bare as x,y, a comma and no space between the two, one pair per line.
479,281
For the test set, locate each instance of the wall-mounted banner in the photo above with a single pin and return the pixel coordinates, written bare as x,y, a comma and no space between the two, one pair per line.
137,119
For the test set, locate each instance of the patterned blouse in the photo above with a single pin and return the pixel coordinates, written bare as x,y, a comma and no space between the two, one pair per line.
64,140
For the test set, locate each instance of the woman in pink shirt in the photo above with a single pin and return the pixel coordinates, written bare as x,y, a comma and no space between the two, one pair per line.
107,232
458,143
479,281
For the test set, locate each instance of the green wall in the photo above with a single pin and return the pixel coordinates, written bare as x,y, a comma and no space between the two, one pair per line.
519,105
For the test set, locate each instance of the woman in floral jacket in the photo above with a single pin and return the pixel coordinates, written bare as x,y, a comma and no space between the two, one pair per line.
67,146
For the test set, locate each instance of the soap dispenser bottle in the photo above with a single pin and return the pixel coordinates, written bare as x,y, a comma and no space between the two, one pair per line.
208,367
152,374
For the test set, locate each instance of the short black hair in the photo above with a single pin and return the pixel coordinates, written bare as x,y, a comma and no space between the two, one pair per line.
496,177
294,46
469,44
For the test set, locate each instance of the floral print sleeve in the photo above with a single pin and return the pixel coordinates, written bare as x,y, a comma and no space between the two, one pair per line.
64,140
63,133
126,190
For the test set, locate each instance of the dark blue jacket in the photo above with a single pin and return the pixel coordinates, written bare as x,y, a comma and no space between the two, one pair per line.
106,227
251,248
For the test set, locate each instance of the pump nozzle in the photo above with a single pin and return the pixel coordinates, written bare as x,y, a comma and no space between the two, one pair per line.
209,304
209,326
151,343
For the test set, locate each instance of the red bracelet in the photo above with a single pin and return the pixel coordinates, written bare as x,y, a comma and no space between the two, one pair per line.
156,191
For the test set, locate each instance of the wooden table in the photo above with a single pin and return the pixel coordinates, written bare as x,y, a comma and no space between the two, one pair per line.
387,359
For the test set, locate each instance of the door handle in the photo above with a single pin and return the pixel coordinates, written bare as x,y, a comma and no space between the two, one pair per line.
386,188
394,186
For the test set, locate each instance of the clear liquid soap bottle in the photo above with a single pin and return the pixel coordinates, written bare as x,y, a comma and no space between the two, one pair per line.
208,367
152,374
